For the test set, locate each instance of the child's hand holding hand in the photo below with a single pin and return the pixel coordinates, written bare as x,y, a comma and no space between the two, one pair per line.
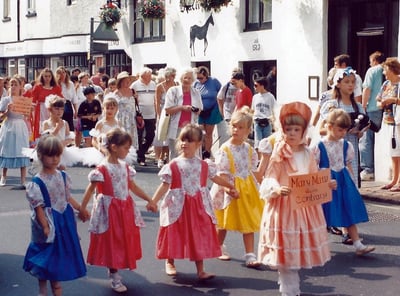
152,206
232,192
84,215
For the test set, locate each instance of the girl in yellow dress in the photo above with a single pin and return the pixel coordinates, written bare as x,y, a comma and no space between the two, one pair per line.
237,162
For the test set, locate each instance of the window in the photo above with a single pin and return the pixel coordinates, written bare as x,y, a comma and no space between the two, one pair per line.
117,62
147,30
31,8
6,10
258,15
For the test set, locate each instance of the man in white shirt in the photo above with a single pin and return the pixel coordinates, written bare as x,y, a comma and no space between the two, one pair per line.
226,103
145,90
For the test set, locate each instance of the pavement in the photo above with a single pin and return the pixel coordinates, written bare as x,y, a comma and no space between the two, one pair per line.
371,190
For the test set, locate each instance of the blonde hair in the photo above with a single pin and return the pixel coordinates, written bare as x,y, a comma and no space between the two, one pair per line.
112,81
49,145
54,101
339,118
110,101
18,81
243,115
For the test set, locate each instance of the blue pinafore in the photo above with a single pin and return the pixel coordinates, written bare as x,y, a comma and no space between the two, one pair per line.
62,259
347,207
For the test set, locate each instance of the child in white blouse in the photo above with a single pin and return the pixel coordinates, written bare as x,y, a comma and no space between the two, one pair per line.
115,219
187,221
237,162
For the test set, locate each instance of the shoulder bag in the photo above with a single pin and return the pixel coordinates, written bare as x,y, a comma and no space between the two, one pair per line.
139,116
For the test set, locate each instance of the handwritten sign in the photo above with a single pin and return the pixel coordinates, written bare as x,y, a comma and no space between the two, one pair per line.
22,105
310,189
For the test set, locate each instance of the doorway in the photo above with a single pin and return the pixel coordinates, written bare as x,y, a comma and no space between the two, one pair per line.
256,69
361,27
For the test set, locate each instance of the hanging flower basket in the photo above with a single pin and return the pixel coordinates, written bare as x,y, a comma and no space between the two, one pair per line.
110,14
215,5
153,9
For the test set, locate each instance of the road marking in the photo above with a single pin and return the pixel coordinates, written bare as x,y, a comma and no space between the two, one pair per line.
15,213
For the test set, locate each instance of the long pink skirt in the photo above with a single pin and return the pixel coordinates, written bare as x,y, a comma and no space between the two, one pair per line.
119,247
192,236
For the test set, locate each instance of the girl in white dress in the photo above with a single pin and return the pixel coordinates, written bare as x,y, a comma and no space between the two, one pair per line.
14,136
107,123
59,128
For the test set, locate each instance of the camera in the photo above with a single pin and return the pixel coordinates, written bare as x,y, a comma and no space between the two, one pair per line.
195,109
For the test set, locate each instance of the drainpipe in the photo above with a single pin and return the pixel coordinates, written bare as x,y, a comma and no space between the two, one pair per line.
18,21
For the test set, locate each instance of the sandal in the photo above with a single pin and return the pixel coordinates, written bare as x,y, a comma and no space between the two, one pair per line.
205,276
335,230
386,187
346,239
225,255
170,268
395,189
366,250
251,260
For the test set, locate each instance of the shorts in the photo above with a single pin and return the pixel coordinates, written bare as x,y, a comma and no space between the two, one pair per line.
85,133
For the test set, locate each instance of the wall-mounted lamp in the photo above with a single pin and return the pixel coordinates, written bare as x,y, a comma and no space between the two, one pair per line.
187,5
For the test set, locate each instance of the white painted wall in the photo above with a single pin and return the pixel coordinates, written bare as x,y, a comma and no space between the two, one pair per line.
297,41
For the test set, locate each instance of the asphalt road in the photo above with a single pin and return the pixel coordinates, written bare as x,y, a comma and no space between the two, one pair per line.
346,274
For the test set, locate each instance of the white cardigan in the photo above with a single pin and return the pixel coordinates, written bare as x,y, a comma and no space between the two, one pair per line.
174,97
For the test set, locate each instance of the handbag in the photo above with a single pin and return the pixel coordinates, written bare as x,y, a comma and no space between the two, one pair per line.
394,128
163,126
139,116
262,122
205,113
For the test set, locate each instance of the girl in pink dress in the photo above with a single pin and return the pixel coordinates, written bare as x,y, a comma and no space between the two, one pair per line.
187,221
291,239
115,219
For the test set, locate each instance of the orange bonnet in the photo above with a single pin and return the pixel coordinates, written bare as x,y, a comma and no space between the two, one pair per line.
297,108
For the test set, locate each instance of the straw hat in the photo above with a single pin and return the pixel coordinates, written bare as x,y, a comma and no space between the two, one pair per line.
123,75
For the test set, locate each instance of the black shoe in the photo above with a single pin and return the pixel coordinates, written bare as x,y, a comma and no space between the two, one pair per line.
346,239
335,230
19,187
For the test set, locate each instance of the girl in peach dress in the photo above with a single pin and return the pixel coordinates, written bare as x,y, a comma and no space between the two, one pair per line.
291,239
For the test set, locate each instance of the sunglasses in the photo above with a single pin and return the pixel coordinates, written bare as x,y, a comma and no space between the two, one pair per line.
256,85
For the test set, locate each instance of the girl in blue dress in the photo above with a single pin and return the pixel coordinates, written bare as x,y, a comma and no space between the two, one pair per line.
347,207
54,253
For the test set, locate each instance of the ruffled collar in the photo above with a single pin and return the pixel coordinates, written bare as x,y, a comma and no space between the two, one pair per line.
283,152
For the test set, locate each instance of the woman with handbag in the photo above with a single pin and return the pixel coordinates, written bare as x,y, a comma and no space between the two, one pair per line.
166,79
126,106
388,99
183,105
210,116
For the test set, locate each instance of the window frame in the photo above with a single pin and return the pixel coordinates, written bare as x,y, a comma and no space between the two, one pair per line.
31,8
6,11
261,25
71,2
151,24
